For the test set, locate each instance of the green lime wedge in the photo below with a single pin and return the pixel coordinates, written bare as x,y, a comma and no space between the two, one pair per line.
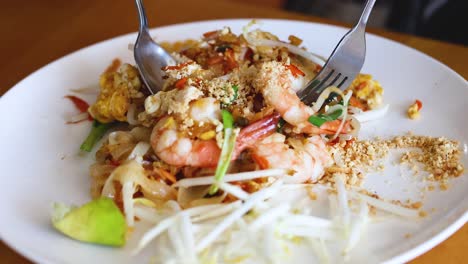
99,221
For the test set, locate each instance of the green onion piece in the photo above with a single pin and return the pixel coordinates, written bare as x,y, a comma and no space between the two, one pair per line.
235,88
97,131
320,119
334,115
280,125
226,150
228,119
236,92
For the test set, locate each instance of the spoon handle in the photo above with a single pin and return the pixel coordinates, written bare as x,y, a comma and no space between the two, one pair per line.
142,16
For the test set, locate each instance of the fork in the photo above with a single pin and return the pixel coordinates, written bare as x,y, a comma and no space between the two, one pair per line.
344,63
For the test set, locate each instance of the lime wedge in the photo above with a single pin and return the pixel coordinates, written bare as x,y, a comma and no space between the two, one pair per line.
99,221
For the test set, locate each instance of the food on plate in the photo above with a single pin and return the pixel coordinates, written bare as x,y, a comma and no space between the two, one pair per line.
226,155
99,221
414,110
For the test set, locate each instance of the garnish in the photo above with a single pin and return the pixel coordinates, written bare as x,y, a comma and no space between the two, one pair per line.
99,221
280,125
295,70
226,150
97,131
320,119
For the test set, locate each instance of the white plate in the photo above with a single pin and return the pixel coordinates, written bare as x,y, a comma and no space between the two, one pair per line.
40,162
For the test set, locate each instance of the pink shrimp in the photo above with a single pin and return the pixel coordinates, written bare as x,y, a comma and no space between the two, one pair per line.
183,151
274,81
307,157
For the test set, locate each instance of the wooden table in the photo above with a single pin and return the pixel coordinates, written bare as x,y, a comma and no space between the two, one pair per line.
35,33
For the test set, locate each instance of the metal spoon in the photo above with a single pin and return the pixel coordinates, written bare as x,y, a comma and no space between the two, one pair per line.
149,56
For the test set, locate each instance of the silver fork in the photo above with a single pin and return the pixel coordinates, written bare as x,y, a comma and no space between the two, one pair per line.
344,63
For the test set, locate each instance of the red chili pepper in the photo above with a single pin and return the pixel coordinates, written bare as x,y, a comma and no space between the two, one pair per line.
114,66
181,83
419,103
295,70
81,105
210,34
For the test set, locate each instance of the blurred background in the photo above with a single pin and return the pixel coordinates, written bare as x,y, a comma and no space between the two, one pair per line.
438,19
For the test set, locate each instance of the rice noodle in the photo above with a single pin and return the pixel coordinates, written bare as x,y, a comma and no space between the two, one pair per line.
131,115
139,151
345,113
274,43
130,175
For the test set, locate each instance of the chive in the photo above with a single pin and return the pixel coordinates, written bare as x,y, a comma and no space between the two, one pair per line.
228,119
97,131
236,90
280,125
316,120
320,119
226,151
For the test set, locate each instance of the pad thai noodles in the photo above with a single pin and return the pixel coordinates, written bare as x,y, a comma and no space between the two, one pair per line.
227,134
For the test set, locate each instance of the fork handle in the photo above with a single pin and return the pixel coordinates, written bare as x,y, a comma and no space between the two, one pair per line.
142,16
366,12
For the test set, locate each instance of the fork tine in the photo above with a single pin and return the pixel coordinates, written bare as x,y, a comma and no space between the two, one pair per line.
320,85
315,90
342,82
334,80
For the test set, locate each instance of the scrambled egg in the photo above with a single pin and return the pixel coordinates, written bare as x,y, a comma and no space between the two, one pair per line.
367,90
413,110
117,89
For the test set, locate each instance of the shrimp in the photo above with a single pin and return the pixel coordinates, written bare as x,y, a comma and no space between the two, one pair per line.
307,157
275,83
177,150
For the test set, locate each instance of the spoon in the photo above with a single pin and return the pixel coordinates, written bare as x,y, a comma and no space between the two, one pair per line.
150,58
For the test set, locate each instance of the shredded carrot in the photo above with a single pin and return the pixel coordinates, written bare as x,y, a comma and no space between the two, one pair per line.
295,70
165,175
181,83
113,66
210,34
